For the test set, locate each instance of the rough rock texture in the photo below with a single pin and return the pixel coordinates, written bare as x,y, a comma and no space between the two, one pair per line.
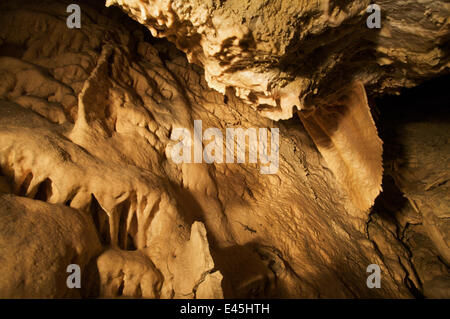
417,168
128,274
194,262
347,138
37,243
280,55
86,117
423,177
284,56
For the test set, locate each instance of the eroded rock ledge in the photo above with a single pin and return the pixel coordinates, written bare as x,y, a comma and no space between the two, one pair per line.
85,119
279,56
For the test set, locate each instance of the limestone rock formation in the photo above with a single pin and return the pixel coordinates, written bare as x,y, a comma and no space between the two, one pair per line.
282,55
417,163
194,262
37,242
347,138
87,118
128,274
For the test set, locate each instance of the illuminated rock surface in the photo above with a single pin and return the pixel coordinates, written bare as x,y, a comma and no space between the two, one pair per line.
86,117
280,55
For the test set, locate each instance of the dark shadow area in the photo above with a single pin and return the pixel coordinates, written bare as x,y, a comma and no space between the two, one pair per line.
429,102
395,116
44,191
91,280
100,221
390,201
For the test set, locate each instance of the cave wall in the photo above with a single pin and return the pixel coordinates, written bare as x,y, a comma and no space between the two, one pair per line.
86,117
288,55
